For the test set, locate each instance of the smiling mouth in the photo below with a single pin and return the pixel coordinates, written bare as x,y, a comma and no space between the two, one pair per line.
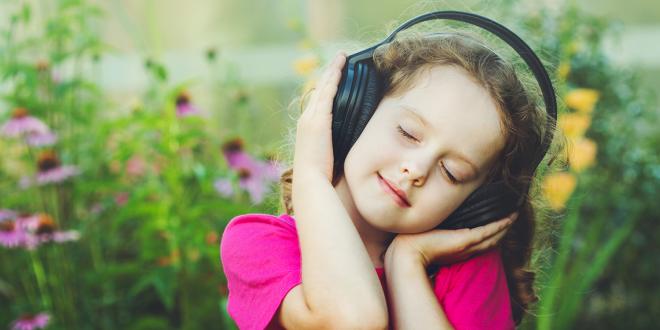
400,201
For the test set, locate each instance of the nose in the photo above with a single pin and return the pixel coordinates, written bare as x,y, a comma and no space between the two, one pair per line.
415,173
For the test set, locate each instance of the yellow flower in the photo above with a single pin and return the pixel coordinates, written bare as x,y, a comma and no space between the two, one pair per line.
582,99
581,154
563,70
306,65
557,188
574,124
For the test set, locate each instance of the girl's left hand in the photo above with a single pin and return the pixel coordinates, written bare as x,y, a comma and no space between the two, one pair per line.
448,246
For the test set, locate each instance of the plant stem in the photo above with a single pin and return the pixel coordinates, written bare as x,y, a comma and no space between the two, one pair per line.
40,275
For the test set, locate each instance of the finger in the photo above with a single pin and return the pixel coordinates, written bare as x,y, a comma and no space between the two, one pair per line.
484,232
488,243
327,87
321,84
330,91
330,76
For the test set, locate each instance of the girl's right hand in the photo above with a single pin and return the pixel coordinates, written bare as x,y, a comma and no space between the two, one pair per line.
446,246
313,151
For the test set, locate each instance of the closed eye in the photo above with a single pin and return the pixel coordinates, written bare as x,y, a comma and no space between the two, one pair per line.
451,177
404,133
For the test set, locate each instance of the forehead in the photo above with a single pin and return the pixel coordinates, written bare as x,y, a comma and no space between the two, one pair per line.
449,104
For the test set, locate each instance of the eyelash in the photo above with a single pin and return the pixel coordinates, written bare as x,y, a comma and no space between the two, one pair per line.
444,169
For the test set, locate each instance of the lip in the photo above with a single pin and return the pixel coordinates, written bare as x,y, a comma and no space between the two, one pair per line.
398,195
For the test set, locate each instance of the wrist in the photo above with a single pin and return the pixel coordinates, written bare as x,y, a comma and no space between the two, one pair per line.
398,254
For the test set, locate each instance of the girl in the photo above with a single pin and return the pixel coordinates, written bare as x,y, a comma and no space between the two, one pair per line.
454,115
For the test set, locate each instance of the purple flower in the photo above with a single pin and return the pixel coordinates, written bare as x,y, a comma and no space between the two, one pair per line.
30,322
57,174
223,187
10,234
41,139
22,123
255,175
184,107
41,228
7,214
253,183
235,156
50,170
272,169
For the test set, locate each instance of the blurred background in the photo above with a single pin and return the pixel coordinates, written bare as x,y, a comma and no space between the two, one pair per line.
121,122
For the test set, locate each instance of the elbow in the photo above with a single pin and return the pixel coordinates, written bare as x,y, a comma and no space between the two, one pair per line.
351,318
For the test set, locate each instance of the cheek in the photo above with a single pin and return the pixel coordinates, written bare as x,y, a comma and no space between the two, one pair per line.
437,204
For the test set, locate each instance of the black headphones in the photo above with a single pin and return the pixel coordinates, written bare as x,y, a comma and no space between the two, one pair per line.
360,91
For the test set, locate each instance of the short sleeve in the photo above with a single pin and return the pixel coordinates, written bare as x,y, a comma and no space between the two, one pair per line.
474,293
260,257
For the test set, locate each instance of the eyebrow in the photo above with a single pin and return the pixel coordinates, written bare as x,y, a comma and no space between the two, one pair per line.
425,123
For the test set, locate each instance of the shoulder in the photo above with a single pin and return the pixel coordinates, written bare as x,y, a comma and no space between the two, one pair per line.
257,221
253,231
258,239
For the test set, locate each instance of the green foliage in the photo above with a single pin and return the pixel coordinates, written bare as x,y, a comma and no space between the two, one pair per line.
143,202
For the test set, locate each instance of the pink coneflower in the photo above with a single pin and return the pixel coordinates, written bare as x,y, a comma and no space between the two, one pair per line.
50,169
40,229
41,139
223,187
7,214
22,123
236,157
253,183
272,169
30,322
255,175
184,107
10,234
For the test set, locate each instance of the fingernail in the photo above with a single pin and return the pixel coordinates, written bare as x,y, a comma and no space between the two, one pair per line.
514,216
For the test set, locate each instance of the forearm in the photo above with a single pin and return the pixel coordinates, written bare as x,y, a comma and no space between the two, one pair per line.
337,273
414,303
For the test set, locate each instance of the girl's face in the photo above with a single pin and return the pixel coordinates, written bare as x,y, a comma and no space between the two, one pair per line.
455,135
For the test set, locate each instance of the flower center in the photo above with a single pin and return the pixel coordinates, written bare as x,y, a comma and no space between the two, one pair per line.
7,226
233,145
19,113
46,225
47,161
182,99
244,173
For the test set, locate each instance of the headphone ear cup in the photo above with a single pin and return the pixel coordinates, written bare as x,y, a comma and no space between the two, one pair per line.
488,203
369,98
355,103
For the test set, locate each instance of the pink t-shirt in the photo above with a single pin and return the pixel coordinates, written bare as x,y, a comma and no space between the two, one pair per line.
260,255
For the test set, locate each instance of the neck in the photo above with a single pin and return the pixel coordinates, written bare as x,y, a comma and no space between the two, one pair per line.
375,240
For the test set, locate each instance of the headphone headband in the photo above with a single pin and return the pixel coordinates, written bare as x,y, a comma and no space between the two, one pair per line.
512,40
